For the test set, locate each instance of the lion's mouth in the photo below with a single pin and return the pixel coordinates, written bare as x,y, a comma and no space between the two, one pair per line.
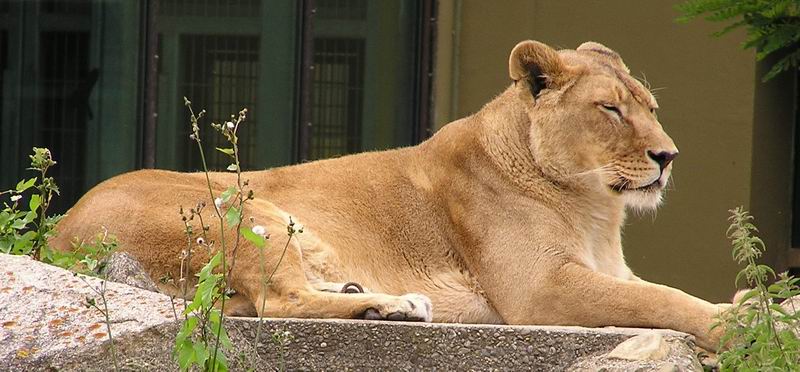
625,186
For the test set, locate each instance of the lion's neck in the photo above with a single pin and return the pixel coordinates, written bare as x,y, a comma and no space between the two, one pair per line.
504,135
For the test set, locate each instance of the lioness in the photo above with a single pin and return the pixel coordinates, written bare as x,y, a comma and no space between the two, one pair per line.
511,215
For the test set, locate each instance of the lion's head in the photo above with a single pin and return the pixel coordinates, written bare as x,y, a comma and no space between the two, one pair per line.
592,122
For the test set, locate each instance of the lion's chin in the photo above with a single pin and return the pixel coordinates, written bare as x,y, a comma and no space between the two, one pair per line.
642,200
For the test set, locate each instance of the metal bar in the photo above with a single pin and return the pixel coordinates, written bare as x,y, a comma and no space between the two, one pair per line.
150,98
306,76
427,38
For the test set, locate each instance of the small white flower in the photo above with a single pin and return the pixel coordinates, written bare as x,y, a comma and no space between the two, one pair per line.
16,197
229,124
259,230
218,203
298,227
200,241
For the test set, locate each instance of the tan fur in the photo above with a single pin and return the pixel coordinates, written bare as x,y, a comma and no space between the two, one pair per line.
512,215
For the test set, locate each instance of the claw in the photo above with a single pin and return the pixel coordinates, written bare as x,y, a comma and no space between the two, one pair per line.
352,287
372,314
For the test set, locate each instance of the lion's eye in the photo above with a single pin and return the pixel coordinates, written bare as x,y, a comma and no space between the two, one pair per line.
611,108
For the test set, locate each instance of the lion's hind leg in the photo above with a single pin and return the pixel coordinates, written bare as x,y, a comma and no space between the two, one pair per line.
311,303
290,294
332,287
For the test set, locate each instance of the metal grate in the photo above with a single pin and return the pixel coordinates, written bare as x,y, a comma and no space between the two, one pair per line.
3,67
338,95
67,7
211,8
220,74
63,108
341,9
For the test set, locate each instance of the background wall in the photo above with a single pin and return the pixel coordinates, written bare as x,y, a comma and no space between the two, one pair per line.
706,106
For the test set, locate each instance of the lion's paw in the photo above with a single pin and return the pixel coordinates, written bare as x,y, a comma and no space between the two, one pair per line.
412,307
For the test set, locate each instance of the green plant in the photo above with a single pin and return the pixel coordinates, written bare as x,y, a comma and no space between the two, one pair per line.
25,232
201,314
771,25
202,348
89,259
760,335
280,339
260,239
202,333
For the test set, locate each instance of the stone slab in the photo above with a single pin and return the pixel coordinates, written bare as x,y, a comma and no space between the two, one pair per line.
45,326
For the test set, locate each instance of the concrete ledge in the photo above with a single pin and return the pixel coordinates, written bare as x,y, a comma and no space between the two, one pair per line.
374,345
44,325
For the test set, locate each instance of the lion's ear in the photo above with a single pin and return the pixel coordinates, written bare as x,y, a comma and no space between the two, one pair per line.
538,63
606,52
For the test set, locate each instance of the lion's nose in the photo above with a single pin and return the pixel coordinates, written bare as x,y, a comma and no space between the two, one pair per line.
663,158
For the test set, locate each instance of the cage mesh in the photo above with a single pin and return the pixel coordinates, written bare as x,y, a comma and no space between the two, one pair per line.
211,8
3,67
63,108
341,9
220,74
337,98
66,7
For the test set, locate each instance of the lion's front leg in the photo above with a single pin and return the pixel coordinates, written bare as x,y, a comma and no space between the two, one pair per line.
579,296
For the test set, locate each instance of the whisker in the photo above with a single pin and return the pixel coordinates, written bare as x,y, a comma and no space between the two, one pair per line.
603,169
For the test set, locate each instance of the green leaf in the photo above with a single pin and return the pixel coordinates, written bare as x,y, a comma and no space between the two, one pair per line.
35,202
233,168
5,218
233,216
200,354
252,237
748,295
30,217
24,243
186,355
777,308
221,364
6,243
19,224
25,184
226,151
186,330
227,194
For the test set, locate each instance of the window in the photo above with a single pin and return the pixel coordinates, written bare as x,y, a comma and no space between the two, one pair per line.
338,96
220,74
101,82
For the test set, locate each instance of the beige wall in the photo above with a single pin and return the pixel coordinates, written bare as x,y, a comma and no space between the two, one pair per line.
706,106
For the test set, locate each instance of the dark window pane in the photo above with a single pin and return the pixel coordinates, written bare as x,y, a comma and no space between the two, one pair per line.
220,75
365,55
67,7
63,107
338,95
211,8
341,9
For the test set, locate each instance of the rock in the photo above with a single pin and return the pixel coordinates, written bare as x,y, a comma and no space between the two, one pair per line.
44,325
668,367
122,268
651,350
648,346
44,314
